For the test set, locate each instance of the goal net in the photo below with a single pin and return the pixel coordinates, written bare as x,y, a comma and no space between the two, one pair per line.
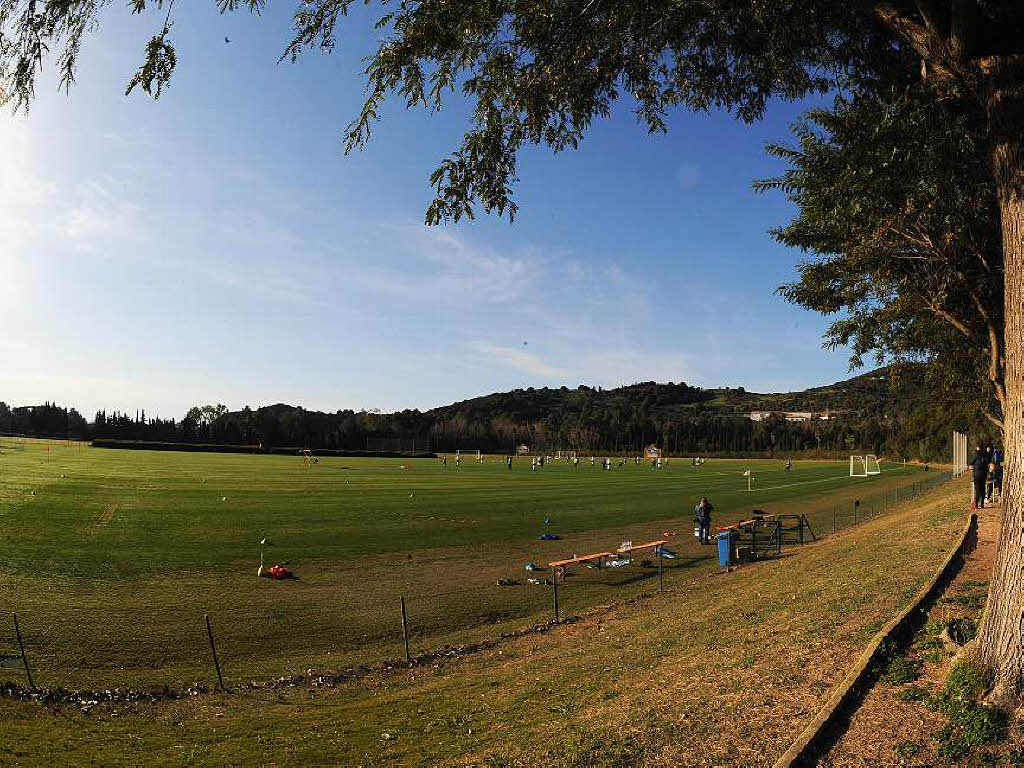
863,466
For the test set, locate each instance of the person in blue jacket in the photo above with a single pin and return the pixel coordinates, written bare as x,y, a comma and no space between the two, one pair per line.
703,514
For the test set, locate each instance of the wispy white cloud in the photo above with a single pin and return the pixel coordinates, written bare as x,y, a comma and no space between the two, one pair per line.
100,215
518,359
592,363
431,265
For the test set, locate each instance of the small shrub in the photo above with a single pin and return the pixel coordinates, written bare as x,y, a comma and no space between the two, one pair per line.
902,670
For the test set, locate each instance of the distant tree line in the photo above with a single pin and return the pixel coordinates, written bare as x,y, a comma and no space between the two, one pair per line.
46,420
865,414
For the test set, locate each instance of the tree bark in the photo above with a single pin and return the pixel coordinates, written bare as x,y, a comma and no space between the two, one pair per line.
1001,640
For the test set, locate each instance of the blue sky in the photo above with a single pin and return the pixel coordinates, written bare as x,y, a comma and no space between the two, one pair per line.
217,246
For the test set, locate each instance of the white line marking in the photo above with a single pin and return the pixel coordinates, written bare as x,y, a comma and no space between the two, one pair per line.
804,482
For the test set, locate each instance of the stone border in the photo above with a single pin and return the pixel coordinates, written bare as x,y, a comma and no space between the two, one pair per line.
817,737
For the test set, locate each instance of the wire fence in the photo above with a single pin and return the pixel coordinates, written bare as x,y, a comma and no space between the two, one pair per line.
99,643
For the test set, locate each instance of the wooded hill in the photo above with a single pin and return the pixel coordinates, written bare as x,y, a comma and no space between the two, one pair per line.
868,413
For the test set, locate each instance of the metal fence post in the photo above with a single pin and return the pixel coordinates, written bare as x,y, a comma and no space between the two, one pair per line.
833,519
24,658
213,647
661,581
554,590
405,632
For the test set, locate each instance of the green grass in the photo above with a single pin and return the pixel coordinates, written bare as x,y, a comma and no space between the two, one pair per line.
969,724
728,668
112,557
902,670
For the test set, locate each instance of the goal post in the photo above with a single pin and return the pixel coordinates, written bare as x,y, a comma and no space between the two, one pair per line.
864,466
959,453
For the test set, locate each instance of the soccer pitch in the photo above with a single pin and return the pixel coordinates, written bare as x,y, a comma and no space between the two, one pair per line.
111,557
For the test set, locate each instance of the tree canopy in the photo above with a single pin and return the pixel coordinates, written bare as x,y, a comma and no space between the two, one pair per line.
897,204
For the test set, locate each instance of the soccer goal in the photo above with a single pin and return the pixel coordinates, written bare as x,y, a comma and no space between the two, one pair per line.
862,466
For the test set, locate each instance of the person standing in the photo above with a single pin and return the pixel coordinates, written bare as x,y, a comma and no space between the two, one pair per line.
703,514
979,474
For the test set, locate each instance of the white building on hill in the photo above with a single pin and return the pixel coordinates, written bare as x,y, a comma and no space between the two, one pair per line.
790,415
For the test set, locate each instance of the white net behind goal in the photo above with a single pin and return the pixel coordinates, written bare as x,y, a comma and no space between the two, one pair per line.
863,466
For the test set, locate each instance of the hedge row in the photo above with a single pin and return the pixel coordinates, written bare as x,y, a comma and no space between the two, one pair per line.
151,445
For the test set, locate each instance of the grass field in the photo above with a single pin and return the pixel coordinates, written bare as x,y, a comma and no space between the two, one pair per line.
719,670
111,558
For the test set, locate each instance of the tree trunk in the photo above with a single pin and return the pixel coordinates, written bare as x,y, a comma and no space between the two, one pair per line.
1001,640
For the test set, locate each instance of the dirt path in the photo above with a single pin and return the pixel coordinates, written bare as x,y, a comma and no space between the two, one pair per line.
890,728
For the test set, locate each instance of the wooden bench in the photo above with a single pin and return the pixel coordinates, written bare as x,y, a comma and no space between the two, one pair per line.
598,556
646,545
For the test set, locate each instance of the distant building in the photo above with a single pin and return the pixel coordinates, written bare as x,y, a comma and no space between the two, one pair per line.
790,415
522,450
652,452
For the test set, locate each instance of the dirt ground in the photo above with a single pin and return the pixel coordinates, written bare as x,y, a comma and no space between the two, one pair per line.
888,730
